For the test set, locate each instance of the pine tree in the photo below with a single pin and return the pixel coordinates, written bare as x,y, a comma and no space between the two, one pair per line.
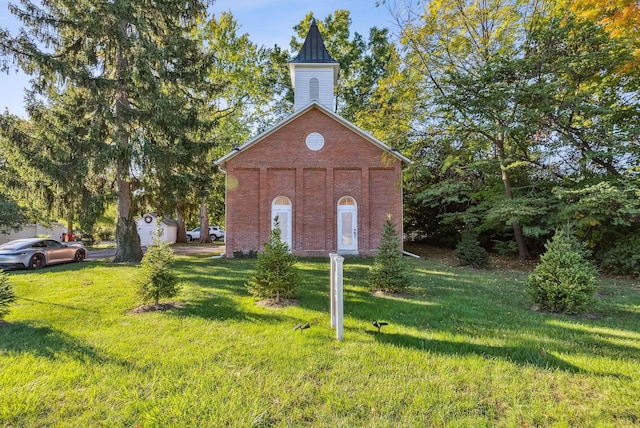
7,296
133,59
275,275
565,280
159,281
469,251
389,272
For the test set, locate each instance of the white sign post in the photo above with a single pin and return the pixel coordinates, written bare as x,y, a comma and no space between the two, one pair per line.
337,287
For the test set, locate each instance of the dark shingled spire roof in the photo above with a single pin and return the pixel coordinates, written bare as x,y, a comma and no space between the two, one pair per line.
313,49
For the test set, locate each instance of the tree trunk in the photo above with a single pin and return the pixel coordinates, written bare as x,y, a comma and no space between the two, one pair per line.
523,251
182,233
70,225
127,238
204,224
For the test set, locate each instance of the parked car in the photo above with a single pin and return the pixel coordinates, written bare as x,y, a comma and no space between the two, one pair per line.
215,233
35,253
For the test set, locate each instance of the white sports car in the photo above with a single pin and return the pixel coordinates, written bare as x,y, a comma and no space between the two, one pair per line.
34,253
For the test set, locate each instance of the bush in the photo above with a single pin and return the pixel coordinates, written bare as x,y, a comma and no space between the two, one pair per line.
622,256
470,253
389,272
158,281
239,254
88,239
565,280
275,275
7,296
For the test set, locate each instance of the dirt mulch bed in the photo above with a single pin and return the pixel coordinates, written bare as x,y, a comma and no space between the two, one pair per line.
160,307
282,303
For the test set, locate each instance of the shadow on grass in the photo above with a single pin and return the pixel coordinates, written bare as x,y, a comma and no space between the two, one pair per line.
518,355
223,308
60,305
48,343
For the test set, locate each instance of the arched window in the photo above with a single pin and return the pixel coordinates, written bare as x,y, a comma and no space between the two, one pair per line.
314,89
347,225
281,208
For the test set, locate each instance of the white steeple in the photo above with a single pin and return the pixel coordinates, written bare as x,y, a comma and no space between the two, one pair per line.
314,74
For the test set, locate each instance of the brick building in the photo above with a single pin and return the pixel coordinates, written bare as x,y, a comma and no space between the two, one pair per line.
330,184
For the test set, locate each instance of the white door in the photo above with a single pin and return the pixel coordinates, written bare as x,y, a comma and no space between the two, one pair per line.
281,208
347,225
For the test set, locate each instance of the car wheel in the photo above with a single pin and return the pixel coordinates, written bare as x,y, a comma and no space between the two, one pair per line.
79,256
37,261
213,237
189,238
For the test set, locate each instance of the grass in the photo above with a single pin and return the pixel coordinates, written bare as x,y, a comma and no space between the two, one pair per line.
465,349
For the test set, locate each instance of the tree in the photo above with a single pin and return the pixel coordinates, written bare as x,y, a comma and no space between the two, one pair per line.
469,251
7,295
565,280
389,272
158,280
275,275
55,158
129,58
462,50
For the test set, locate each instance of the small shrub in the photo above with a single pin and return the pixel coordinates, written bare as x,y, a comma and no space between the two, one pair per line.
88,240
239,254
389,272
158,280
565,280
7,296
275,275
505,248
470,253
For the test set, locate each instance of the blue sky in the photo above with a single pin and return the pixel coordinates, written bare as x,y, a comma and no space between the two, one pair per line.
267,22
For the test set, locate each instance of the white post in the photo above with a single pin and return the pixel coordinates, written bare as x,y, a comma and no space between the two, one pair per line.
339,300
332,289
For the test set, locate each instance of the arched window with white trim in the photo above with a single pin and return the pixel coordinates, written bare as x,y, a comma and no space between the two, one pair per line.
281,208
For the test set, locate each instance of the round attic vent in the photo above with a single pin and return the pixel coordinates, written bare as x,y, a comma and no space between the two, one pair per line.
315,141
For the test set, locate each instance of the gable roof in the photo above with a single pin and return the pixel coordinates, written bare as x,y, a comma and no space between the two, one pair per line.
313,49
370,138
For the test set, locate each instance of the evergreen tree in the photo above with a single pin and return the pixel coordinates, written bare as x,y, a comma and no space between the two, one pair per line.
275,275
7,296
565,280
159,281
131,59
389,272
469,251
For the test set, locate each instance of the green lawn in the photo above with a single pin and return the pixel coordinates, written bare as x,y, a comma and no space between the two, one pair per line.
464,350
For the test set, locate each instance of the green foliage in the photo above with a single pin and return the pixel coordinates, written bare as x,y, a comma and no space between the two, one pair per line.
504,247
622,255
158,278
275,275
88,239
11,215
390,272
565,280
470,253
7,296
239,254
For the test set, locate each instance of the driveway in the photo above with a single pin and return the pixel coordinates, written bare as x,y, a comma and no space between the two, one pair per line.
191,249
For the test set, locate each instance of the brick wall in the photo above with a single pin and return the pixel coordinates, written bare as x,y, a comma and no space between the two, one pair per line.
281,165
